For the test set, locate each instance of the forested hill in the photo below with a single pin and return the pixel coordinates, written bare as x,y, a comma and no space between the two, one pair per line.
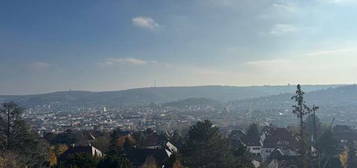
339,102
195,102
156,95
334,96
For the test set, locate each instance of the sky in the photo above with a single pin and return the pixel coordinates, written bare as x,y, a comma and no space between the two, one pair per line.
57,45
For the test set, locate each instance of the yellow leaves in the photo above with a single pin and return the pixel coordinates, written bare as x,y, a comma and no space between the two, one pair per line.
121,140
60,149
53,159
177,164
55,152
343,156
8,160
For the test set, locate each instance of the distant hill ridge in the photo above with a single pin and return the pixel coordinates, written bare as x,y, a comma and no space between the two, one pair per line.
342,95
157,95
339,102
195,102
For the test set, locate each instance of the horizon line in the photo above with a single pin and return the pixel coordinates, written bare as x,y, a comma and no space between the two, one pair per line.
175,86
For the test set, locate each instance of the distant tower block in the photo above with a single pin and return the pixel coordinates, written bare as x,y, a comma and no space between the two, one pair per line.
104,109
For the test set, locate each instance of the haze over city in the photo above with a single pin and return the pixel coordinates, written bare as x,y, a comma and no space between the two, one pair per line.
178,84
114,45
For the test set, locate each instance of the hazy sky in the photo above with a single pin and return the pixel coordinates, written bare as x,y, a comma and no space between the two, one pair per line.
51,45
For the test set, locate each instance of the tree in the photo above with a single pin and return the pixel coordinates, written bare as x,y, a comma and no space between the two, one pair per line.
80,160
301,110
344,158
243,156
313,126
52,159
55,152
60,149
239,149
10,114
174,161
68,137
115,157
20,139
115,161
327,145
207,148
177,164
352,158
150,162
114,148
176,139
102,143
252,132
334,163
9,160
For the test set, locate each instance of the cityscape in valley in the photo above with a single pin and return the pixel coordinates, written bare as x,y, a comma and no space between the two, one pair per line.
152,126
57,112
178,84
166,109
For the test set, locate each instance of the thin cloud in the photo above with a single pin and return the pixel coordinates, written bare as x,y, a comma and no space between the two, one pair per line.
127,61
39,66
331,52
145,23
340,1
286,7
272,62
280,29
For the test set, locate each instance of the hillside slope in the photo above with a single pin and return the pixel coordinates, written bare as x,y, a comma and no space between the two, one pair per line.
155,95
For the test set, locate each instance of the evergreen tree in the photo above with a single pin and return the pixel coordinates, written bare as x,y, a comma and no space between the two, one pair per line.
207,148
328,148
114,148
115,161
177,139
80,161
242,156
334,163
300,110
10,116
20,139
252,132
115,157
